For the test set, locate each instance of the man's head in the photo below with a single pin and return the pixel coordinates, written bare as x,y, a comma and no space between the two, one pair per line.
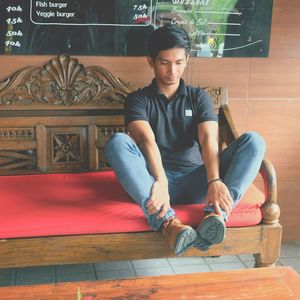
168,56
168,37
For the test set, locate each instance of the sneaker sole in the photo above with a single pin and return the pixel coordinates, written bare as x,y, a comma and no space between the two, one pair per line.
185,241
201,244
212,229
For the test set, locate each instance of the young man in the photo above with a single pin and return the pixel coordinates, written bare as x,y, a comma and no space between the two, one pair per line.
171,154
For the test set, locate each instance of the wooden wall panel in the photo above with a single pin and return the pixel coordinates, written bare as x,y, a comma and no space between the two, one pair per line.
274,78
285,36
288,195
232,73
264,95
239,111
283,5
278,122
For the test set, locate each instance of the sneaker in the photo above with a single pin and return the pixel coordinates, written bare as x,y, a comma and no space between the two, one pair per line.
212,229
179,237
202,244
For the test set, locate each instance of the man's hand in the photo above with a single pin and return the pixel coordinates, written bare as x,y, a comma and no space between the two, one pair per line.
159,199
218,196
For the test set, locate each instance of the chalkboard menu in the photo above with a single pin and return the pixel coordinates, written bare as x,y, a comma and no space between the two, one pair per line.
217,28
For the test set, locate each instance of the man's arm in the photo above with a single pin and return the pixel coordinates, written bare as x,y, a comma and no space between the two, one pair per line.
144,137
217,195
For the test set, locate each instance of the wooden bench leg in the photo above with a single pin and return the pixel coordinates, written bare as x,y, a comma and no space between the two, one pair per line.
271,244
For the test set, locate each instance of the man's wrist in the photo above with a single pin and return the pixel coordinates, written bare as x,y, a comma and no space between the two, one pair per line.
213,180
162,179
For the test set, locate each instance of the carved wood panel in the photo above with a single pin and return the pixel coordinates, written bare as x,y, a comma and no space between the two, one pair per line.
17,151
17,160
17,134
67,148
63,81
104,133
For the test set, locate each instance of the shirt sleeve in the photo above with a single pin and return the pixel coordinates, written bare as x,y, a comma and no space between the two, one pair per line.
135,108
204,107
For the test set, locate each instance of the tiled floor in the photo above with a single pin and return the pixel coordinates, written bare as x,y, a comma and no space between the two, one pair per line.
290,256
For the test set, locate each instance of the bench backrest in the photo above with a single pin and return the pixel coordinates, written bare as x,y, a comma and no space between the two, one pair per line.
51,117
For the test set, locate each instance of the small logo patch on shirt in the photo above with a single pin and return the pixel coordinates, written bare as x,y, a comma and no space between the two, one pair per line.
188,113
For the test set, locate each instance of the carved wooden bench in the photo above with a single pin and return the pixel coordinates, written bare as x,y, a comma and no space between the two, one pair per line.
56,119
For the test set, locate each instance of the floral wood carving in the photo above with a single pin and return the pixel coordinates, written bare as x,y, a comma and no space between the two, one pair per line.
66,148
214,94
63,81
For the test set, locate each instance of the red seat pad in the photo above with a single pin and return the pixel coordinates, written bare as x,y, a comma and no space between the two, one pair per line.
87,203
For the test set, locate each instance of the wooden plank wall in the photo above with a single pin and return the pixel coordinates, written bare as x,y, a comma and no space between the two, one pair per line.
264,96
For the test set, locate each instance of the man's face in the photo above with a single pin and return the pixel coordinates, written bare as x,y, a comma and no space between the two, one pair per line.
169,66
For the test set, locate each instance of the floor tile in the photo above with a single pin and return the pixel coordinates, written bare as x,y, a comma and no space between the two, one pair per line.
185,261
76,268
154,271
191,269
7,277
222,259
290,249
150,263
113,265
227,266
35,275
76,277
249,264
293,262
75,272
246,257
115,274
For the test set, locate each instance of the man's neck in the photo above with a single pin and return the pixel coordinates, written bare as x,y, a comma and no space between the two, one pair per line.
169,91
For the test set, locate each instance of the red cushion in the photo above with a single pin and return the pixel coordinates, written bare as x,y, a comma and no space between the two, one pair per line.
87,203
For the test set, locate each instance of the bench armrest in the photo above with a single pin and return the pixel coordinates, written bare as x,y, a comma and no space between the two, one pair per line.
228,133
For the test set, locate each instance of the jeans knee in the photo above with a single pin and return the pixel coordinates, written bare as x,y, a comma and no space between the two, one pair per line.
115,144
256,141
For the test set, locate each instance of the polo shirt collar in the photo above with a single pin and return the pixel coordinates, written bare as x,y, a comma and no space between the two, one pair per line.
181,91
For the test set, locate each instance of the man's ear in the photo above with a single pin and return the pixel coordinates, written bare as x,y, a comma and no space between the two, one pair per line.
150,61
187,58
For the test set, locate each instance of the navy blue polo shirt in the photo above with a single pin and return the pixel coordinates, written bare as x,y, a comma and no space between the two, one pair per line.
174,122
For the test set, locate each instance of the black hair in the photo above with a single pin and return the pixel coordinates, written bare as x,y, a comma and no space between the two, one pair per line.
168,37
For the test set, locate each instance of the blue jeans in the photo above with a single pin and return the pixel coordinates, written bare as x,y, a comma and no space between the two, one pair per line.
239,165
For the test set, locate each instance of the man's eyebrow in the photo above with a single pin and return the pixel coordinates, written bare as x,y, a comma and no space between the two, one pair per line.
164,59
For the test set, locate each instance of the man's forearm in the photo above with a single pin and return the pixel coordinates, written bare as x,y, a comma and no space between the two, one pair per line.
154,161
210,155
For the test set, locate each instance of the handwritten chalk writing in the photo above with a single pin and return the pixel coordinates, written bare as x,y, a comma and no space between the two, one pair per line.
140,7
192,2
41,4
140,16
181,11
14,8
65,14
14,33
14,20
58,5
46,14
12,43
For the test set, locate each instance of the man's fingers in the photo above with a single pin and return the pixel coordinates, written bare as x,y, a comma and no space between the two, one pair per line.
153,209
225,206
217,208
163,211
150,201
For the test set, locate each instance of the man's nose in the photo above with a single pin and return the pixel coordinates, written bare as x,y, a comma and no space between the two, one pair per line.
171,69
